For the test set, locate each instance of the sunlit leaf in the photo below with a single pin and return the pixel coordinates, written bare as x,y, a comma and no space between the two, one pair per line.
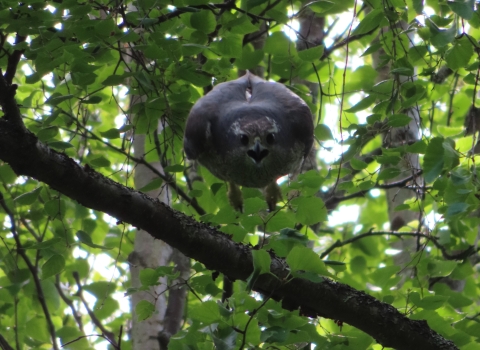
144,310
29,197
53,266
87,240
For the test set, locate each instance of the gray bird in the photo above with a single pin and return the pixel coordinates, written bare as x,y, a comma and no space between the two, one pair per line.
249,132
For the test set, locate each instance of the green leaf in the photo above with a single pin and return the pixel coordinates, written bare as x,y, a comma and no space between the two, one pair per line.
33,78
125,128
431,302
389,173
276,43
441,37
196,78
87,240
449,131
310,210
250,58
100,162
53,266
203,21
358,164
312,54
253,205
417,52
206,312
7,175
334,263
176,168
366,185
250,4
149,277
261,260
463,8
440,268
113,80
434,159
311,276
459,54
406,71
261,265
385,276
374,47
144,310
45,244
111,134
320,6
455,209
231,46
398,120
370,22
323,132
93,100
305,259
417,6
289,234
363,104
451,156
152,185
419,147
60,145
55,208
100,289
28,198
105,27
47,133
56,98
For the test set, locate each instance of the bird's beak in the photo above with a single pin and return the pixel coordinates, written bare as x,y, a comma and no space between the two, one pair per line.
257,152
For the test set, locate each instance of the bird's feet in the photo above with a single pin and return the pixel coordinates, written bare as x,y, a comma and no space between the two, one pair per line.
235,196
273,194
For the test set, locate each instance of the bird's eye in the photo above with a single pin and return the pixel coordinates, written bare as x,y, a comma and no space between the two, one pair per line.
270,138
244,139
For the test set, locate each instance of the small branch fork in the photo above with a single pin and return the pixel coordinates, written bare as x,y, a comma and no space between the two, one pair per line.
459,256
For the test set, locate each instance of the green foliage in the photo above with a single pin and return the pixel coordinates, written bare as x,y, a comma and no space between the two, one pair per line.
82,62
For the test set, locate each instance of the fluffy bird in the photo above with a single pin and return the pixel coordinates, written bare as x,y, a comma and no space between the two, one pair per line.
249,132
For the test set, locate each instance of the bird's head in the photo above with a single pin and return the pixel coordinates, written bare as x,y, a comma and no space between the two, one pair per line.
255,137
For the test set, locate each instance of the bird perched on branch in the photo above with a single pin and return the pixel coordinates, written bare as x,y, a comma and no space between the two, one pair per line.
250,132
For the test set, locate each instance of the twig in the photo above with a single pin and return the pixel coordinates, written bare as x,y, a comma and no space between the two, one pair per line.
69,302
33,271
460,256
244,332
332,202
110,336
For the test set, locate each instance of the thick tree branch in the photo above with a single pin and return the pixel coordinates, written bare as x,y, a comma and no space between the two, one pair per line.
29,157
